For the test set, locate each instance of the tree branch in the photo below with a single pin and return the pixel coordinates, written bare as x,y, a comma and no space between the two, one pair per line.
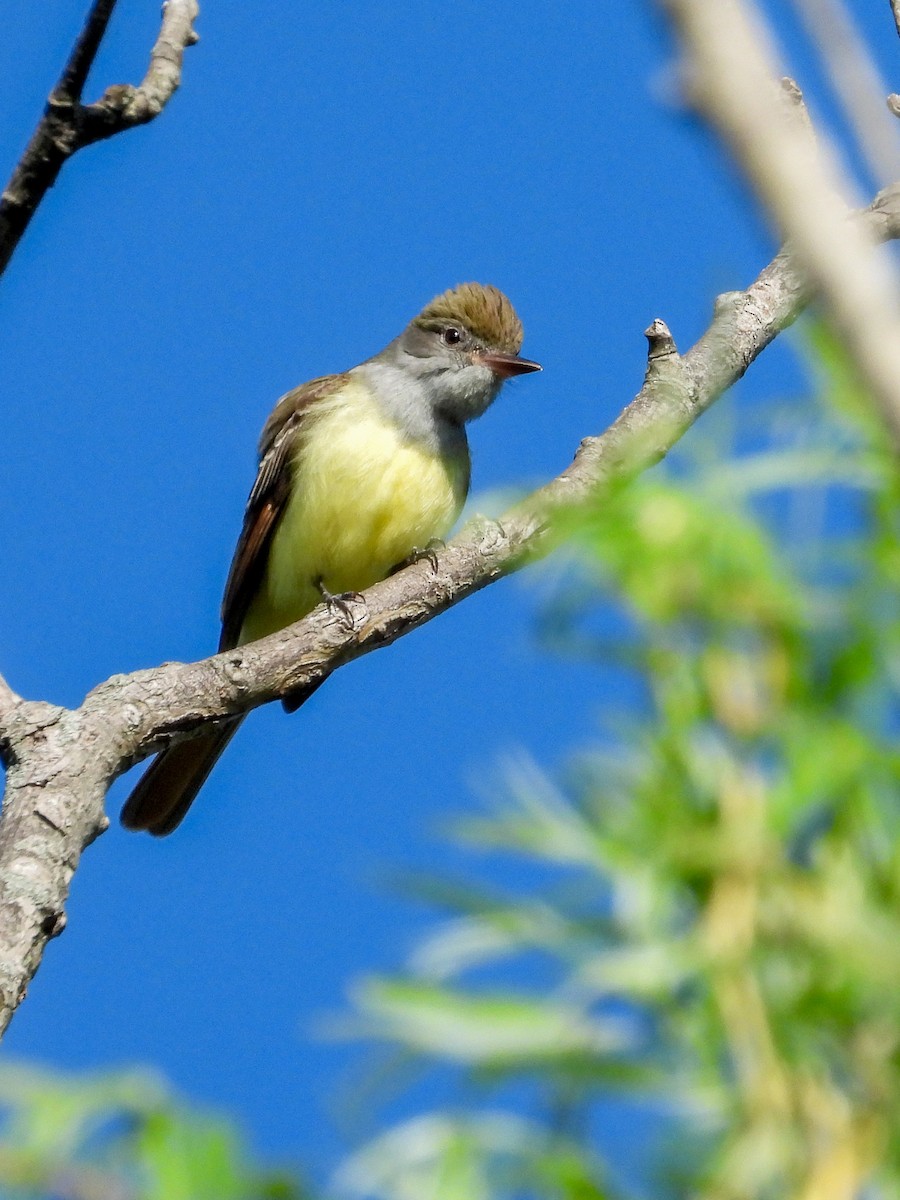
123,106
67,125
855,78
799,183
893,100
75,73
8,699
61,761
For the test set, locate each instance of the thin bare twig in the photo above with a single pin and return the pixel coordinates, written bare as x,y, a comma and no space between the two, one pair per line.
732,80
123,106
68,125
75,73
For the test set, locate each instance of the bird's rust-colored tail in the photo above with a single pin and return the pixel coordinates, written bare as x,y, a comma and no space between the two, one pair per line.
168,787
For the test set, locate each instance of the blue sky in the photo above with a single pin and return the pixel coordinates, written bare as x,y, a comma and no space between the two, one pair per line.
323,172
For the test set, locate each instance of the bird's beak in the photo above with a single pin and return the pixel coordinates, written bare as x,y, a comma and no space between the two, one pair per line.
506,365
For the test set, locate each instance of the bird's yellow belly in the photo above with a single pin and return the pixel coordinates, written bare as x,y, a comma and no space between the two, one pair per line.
363,500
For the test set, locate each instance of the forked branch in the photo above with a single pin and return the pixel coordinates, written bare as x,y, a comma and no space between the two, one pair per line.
68,125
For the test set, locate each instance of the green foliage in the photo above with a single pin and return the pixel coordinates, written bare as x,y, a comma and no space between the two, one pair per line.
492,1030
475,1157
721,880
119,1137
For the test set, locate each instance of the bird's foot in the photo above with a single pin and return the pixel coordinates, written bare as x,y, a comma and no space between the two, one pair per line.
341,605
428,552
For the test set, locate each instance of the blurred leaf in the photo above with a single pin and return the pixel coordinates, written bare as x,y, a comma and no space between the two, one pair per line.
492,1030
118,1136
440,1157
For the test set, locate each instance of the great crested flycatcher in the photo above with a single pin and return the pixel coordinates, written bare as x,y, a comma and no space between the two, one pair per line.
356,472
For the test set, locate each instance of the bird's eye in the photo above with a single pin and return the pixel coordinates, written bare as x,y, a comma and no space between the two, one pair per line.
451,336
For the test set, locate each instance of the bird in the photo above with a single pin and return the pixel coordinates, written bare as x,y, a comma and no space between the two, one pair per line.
358,474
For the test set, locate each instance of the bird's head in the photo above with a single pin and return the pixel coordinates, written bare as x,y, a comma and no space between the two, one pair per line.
463,346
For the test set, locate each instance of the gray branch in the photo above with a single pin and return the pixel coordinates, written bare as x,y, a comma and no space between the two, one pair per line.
61,762
732,66
123,106
855,77
8,698
893,100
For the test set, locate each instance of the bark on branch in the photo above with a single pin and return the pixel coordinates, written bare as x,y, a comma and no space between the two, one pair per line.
68,125
8,701
60,762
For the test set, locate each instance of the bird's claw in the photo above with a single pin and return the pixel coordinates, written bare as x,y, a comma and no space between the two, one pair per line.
428,552
341,605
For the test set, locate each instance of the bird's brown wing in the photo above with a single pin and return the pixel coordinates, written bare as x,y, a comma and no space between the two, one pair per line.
267,501
167,788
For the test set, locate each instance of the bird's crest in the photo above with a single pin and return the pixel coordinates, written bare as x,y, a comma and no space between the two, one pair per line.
482,309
